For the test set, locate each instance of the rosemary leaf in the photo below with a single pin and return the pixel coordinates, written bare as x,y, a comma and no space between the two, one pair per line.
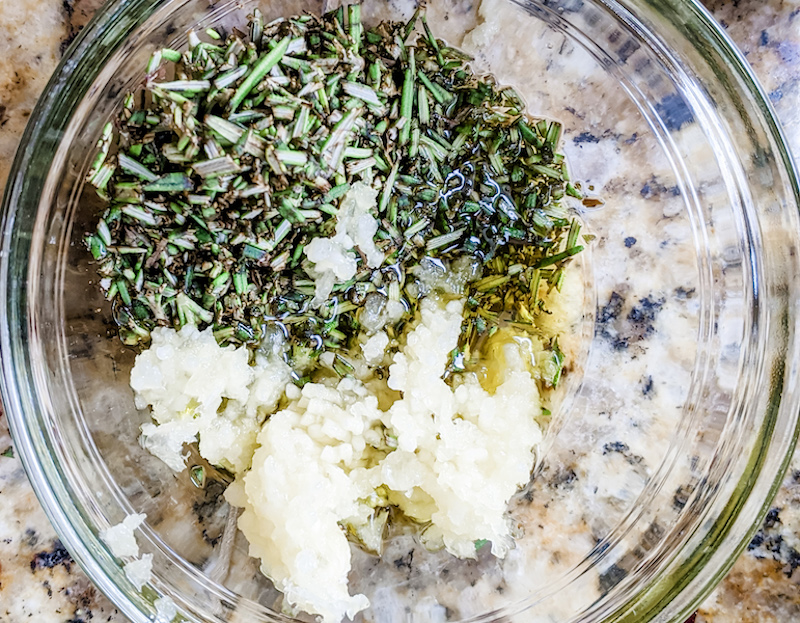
260,69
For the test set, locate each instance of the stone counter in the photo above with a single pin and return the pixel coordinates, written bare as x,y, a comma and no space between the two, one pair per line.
38,579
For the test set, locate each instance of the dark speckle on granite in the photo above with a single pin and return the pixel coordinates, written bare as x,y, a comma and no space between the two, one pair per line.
651,537
404,562
769,542
652,188
611,310
647,386
638,324
607,318
674,112
211,511
627,49
789,53
615,446
772,519
57,555
643,315
563,478
775,95
212,500
574,112
610,578
67,40
618,447
585,137
630,241
31,538
681,496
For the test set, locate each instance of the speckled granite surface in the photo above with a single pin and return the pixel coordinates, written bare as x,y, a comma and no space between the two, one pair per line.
38,580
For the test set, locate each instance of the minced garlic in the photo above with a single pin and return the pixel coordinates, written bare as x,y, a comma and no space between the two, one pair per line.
334,259
451,455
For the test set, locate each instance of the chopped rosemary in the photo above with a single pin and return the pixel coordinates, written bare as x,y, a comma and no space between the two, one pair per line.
219,178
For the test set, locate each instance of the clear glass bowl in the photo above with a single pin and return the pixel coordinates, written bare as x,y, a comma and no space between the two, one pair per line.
682,403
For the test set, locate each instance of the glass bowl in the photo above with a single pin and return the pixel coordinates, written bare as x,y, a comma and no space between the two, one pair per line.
681,404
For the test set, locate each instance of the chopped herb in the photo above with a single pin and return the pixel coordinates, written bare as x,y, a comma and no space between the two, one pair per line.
217,181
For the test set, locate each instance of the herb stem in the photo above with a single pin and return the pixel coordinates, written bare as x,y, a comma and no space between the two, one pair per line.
260,69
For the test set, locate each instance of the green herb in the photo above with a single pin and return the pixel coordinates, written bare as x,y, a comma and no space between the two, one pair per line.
217,179
262,67
197,474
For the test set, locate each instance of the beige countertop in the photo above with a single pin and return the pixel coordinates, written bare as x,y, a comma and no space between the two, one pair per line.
38,579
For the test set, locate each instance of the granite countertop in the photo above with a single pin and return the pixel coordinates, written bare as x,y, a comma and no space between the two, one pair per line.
38,579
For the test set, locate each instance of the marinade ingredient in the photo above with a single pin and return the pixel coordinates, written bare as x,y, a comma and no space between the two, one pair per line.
224,177
330,460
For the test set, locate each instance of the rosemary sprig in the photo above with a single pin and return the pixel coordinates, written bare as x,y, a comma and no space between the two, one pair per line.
217,179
